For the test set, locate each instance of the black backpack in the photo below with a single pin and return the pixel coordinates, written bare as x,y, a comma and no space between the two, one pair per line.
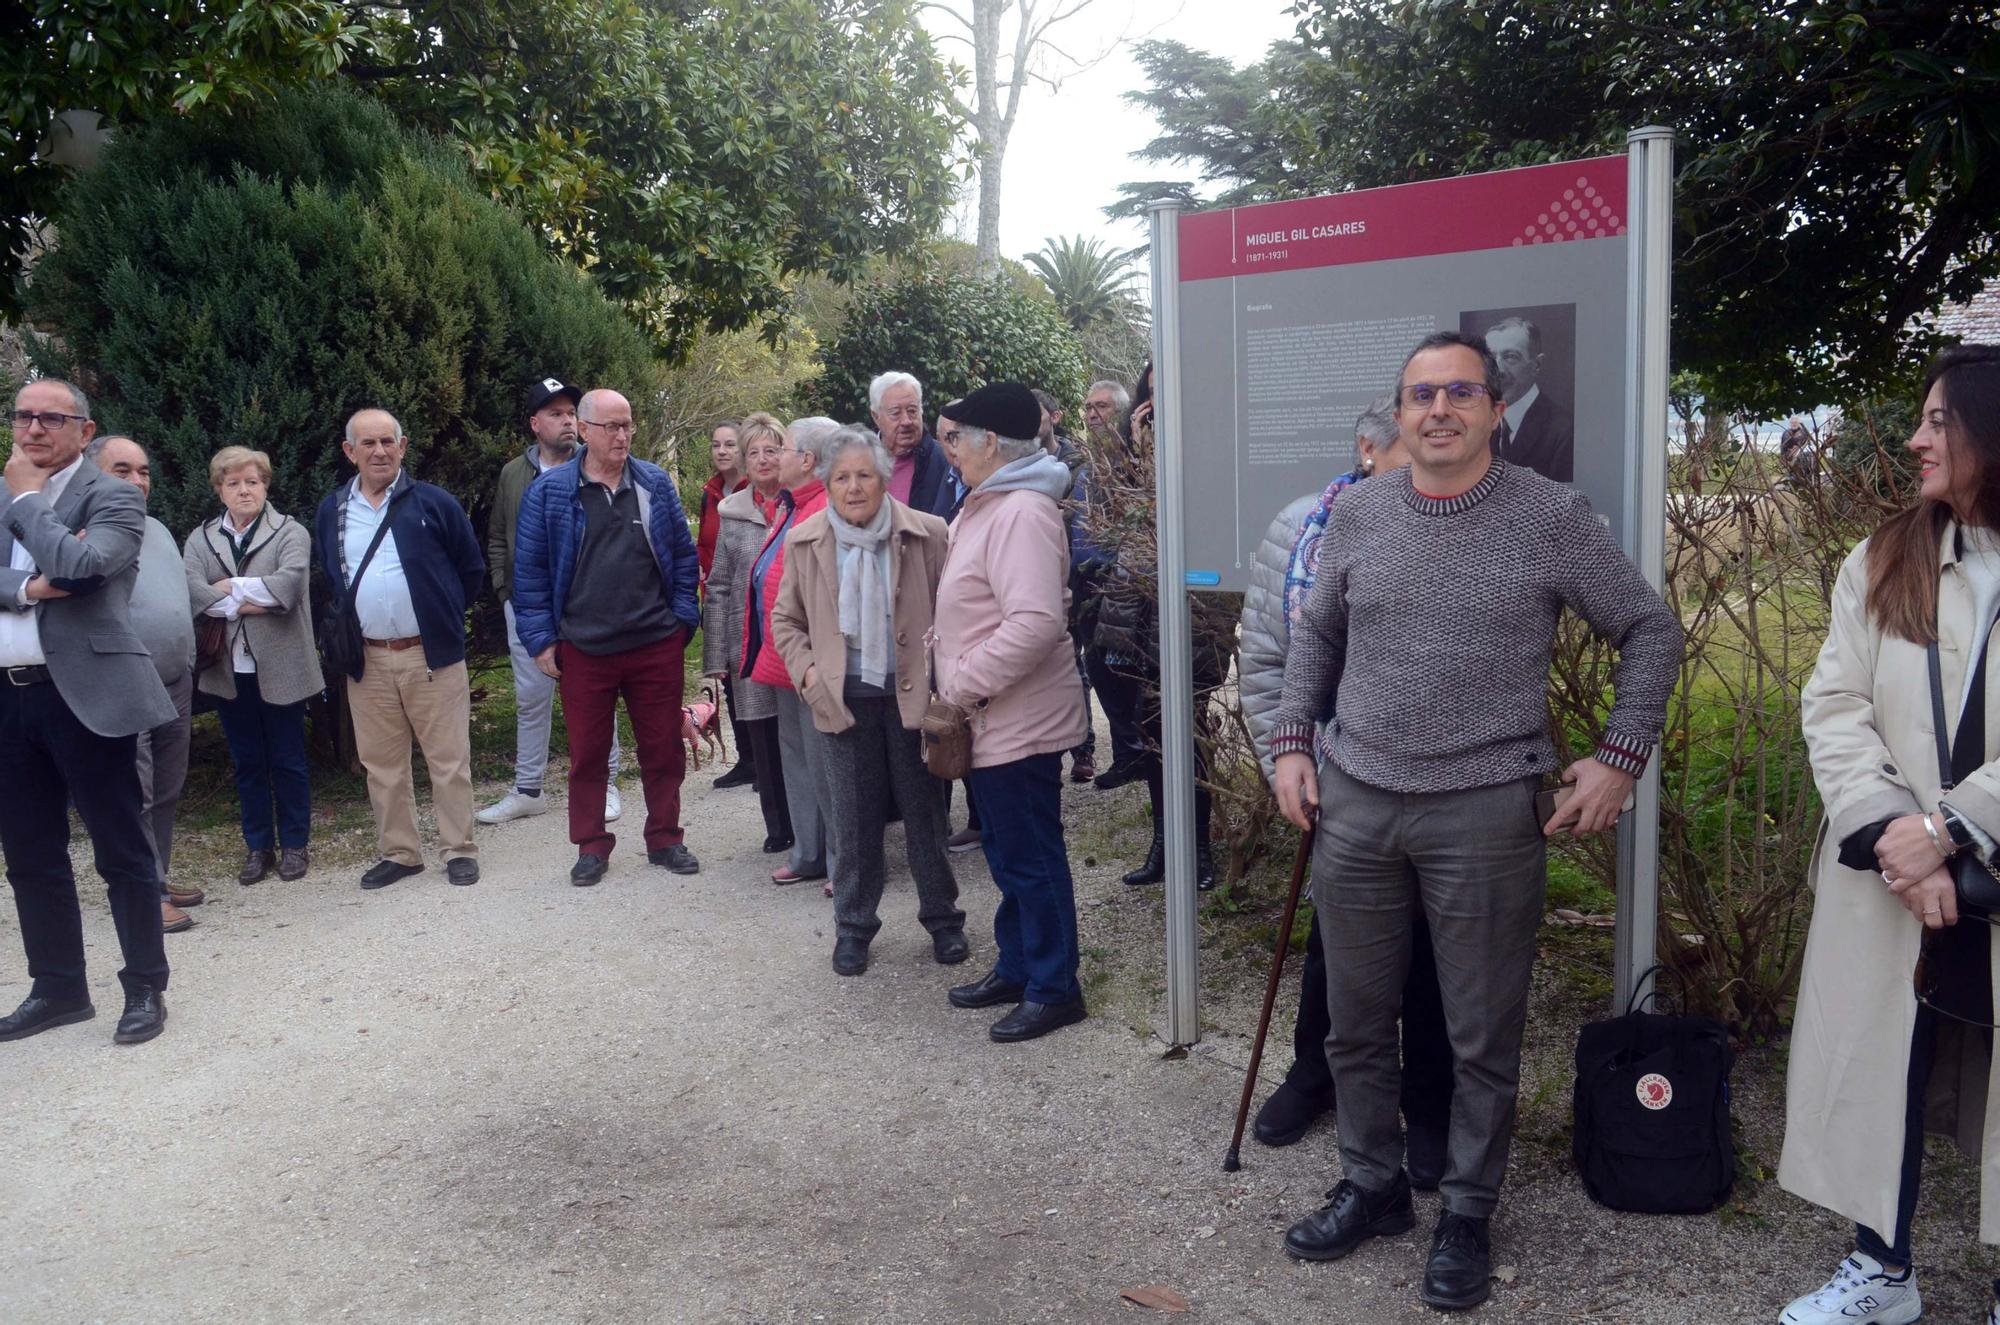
1651,1128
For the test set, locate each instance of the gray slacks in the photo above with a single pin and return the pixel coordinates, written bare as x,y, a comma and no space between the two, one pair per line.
863,764
535,711
802,752
163,769
1475,861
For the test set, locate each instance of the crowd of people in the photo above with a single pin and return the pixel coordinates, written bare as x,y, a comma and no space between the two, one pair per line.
1393,664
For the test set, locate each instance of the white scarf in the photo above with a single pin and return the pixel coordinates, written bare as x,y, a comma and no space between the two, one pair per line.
865,590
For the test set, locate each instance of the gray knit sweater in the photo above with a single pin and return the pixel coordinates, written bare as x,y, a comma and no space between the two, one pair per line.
1432,622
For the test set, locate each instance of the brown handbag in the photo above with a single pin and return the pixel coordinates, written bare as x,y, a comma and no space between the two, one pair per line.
947,740
211,641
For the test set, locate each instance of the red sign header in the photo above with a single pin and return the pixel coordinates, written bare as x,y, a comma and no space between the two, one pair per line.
1551,204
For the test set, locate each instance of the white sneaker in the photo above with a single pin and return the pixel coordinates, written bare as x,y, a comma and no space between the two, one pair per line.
1860,1293
513,805
612,809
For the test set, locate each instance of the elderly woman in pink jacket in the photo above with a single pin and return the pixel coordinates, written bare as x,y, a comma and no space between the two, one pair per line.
1003,654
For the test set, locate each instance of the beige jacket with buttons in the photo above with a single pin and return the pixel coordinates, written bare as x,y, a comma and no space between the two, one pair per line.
1867,719
805,620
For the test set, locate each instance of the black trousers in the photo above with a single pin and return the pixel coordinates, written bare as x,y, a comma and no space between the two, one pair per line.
48,761
767,767
1137,693
736,725
1427,1062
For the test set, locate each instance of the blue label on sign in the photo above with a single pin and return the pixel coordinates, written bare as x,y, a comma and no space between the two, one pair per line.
1203,579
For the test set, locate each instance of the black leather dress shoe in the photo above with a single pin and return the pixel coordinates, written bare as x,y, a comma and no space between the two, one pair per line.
1424,1155
1031,1021
742,775
850,955
40,1014
1460,1273
385,872
1121,772
989,991
1154,868
461,870
587,870
293,864
676,858
949,947
145,1016
1290,1113
1349,1218
256,864
777,842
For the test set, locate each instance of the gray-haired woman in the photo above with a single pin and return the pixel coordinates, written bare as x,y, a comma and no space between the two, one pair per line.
854,607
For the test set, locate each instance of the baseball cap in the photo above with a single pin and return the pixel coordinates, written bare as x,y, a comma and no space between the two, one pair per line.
547,389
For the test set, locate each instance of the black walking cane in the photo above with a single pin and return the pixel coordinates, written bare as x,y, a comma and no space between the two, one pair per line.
1234,1161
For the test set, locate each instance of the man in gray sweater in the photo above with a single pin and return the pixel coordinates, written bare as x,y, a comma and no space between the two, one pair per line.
1430,627
163,619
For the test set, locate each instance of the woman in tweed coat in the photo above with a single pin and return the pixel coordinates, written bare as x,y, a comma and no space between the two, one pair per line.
743,522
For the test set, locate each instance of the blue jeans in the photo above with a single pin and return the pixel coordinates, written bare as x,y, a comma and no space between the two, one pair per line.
267,743
1020,806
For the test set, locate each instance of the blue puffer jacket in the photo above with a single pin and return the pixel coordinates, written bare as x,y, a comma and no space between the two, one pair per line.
549,538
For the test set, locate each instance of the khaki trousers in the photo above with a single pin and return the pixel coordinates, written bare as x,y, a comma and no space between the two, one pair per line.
396,699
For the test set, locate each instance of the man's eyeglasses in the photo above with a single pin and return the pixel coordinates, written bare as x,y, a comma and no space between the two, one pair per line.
1464,395
625,428
25,419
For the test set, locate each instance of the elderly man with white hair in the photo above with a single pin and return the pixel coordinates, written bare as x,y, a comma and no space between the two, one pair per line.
921,477
406,561
604,598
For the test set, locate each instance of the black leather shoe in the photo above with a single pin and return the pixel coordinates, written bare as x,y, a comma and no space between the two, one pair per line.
949,947
1460,1272
1155,868
461,870
587,870
1204,868
1121,772
293,863
40,1014
989,991
1290,1113
676,858
1424,1155
742,775
1349,1218
1033,1020
256,864
145,1016
386,872
850,955
775,843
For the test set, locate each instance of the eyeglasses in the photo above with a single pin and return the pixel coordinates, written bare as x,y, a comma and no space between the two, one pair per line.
25,419
953,436
1926,980
1462,395
613,428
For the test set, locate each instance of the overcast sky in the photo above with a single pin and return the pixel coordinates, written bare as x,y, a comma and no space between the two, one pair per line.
1070,149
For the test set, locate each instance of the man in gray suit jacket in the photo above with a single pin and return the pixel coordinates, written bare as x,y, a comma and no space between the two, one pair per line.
76,687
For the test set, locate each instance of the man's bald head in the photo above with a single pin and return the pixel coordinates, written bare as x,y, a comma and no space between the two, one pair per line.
606,420
123,458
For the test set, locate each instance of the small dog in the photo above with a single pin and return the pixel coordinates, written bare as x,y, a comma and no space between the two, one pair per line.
701,725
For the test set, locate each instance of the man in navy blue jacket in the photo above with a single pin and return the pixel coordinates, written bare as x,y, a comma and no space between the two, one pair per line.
921,477
604,599
409,598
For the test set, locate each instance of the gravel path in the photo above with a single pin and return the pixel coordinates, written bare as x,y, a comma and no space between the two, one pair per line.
653,1101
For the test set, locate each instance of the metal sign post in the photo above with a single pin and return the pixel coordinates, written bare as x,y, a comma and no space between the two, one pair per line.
1649,207
1176,644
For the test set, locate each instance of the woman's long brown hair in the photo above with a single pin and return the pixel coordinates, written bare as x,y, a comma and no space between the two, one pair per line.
1903,560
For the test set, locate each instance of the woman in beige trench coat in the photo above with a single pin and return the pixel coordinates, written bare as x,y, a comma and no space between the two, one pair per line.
1873,1065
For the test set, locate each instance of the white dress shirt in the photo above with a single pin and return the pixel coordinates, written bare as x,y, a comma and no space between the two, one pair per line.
382,600
242,589
21,632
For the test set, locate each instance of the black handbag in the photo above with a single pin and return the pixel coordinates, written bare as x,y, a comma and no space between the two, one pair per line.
341,645
1978,887
1650,1131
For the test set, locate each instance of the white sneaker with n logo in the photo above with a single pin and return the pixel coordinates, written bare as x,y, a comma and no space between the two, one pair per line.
1861,1292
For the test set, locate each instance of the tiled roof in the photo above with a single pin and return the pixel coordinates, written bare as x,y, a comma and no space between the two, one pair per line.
1976,321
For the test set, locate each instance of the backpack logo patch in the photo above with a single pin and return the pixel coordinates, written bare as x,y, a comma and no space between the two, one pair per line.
1655,1091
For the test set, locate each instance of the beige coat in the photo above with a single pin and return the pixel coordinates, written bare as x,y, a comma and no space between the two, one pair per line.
1867,720
805,620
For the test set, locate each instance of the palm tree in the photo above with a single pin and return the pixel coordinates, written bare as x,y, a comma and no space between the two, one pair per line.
1091,283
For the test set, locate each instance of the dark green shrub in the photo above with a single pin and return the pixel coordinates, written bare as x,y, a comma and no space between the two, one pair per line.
253,277
955,333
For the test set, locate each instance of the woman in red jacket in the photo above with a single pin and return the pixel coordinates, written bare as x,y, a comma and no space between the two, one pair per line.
725,453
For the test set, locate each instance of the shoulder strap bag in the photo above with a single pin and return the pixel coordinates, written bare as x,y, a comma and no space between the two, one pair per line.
340,642
946,729
1975,881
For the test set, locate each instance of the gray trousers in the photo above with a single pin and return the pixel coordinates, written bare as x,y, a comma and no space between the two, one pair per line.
1475,861
163,769
863,764
802,752
534,713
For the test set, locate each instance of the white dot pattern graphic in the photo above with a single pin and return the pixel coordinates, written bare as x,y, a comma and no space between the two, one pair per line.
1580,213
